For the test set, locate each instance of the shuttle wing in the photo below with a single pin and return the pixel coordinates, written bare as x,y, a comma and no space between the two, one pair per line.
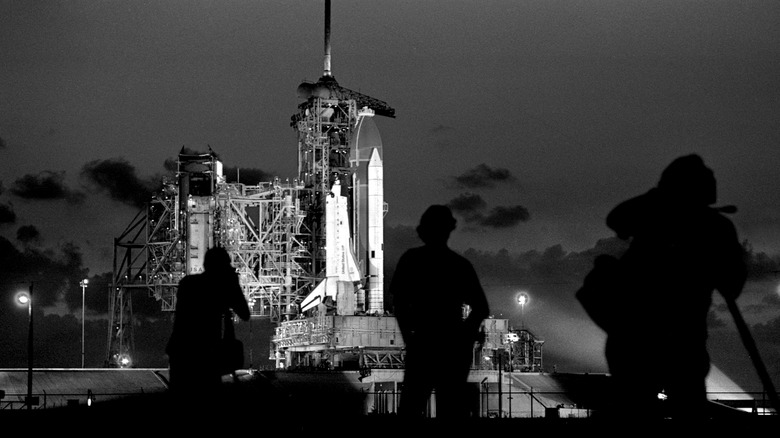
315,297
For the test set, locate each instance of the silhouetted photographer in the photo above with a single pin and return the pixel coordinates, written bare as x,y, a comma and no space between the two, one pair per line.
204,306
653,301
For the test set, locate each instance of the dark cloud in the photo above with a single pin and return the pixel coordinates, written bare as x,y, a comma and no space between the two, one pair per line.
505,217
46,185
467,204
552,266
761,265
7,215
470,206
53,271
2,143
483,176
119,179
247,176
27,234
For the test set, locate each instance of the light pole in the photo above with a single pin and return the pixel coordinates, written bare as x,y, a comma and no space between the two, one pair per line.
27,299
83,285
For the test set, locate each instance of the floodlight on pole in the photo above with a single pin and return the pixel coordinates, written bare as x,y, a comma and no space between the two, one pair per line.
522,300
83,283
26,299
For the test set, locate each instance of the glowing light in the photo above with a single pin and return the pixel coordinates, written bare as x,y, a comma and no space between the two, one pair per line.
522,298
122,360
23,298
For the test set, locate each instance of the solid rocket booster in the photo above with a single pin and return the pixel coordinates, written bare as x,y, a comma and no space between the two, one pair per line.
375,233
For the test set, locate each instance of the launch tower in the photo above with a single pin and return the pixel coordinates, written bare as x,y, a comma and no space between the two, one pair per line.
309,253
261,226
340,167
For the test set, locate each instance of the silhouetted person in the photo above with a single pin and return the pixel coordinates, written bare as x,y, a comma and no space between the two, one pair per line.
430,287
194,346
681,249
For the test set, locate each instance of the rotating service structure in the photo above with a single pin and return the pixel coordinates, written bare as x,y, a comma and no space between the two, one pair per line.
260,225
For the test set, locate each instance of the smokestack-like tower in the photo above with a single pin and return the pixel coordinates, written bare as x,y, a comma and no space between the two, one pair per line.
326,71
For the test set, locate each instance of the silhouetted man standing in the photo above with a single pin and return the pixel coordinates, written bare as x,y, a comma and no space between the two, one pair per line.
430,288
681,249
194,346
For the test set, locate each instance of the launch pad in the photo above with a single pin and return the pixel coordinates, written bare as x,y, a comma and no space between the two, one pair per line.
309,252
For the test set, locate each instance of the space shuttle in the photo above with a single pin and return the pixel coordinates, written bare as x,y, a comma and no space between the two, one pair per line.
354,208
355,240
341,270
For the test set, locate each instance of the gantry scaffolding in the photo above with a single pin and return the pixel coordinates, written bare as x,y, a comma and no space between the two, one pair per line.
261,226
527,352
325,127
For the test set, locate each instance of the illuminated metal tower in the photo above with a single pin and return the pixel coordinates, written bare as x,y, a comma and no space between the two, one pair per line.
261,226
335,160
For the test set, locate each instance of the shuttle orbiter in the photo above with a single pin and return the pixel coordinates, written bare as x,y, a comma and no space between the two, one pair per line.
341,271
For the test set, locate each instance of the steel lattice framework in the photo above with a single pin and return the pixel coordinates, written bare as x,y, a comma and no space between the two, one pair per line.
261,226
325,129
262,229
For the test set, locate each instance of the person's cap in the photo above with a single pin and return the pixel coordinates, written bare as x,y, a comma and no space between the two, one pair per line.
438,217
688,179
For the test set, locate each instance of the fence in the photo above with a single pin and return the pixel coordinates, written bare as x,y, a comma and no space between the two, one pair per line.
487,404
535,404
484,402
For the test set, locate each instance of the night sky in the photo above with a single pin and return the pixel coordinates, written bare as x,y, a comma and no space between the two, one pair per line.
532,119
